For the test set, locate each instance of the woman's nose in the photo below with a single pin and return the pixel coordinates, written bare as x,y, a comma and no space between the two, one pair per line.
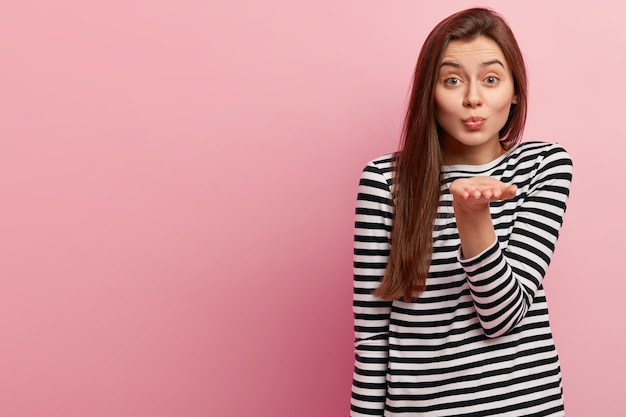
472,97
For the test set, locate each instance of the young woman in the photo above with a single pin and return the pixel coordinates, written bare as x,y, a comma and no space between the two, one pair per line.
453,236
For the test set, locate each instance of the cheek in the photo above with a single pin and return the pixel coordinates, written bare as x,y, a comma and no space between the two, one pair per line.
505,100
448,102
440,114
442,107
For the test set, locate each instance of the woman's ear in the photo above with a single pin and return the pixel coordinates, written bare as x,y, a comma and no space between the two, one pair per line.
514,99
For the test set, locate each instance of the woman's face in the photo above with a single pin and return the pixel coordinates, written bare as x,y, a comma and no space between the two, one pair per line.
473,98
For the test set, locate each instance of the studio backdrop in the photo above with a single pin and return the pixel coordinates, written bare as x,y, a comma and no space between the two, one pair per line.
177,189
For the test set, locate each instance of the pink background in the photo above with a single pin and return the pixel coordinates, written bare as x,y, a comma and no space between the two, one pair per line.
177,187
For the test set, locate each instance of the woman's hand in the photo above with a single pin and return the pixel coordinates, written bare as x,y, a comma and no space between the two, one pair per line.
477,192
471,209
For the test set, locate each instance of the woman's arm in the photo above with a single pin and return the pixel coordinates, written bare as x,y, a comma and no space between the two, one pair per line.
371,314
503,283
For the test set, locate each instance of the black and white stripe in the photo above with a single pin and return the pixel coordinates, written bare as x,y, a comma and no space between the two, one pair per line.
477,341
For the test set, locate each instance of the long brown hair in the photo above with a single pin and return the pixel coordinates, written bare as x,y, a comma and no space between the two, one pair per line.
418,162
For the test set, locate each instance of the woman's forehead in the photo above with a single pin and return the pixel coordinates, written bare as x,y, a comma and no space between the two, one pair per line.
481,49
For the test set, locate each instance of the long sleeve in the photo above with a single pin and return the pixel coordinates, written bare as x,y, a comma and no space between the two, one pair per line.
504,278
371,314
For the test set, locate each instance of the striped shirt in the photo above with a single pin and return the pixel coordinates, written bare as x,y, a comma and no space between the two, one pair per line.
477,341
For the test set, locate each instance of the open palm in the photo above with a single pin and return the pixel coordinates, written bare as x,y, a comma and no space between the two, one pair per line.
479,191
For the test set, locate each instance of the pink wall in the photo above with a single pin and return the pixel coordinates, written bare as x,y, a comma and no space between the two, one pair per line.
177,187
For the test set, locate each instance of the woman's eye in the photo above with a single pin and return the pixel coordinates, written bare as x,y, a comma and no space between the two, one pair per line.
452,81
491,80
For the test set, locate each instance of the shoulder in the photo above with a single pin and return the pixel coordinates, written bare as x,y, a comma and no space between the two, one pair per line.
537,156
383,163
380,169
375,184
541,150
541,163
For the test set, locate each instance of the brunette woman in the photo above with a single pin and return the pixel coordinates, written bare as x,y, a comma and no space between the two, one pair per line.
454,234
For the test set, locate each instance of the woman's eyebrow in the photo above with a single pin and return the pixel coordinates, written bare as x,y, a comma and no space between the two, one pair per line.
491,62
484,64
450,64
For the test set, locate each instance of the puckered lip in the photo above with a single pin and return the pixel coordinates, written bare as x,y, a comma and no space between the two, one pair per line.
474,119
